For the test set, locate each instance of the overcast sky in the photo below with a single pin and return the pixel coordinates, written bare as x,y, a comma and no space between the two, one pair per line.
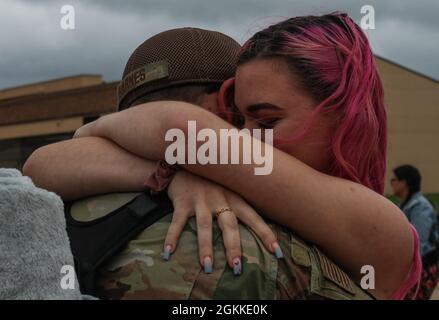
33,47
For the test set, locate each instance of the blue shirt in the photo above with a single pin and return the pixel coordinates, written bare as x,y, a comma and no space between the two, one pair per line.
422,216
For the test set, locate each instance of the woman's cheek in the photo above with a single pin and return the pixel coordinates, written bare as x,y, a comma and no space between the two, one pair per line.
285,147
313,157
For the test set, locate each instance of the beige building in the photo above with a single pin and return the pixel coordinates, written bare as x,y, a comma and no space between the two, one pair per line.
37,114
412,101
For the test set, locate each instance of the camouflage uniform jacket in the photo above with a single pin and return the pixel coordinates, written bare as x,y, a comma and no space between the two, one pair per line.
140,272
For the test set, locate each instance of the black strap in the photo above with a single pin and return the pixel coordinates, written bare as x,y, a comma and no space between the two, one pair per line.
94,242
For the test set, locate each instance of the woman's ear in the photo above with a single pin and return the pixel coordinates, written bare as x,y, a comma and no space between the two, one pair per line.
225,98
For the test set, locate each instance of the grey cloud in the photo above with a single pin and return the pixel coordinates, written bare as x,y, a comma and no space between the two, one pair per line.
421,11
35,48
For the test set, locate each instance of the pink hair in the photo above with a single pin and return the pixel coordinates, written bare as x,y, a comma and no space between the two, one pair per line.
333,61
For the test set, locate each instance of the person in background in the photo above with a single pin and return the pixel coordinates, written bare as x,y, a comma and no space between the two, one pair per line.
406,185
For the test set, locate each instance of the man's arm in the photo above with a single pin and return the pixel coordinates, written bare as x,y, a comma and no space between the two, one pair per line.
87,166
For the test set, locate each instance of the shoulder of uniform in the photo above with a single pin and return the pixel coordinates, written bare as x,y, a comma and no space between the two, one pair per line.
328,280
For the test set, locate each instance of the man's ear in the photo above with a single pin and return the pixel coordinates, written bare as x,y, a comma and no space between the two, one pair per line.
225,97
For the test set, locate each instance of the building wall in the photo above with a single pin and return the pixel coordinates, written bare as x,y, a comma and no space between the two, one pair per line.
413,113
56,85
86,101
38,114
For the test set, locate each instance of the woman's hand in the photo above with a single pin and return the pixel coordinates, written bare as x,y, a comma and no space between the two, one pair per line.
193,195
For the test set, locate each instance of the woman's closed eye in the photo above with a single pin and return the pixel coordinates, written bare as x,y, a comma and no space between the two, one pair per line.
267,123
264,115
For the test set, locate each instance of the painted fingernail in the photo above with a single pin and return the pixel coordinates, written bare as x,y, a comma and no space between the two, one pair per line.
207,265
237,266
167,252
277,250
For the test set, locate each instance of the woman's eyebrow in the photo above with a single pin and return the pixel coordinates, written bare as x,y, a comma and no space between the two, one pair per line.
262,106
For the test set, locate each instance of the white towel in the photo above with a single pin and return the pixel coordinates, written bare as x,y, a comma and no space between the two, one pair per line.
34,245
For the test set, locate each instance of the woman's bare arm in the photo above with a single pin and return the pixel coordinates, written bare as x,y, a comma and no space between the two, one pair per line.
83,167
354,225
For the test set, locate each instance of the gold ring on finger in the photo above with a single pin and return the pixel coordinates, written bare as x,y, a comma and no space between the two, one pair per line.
222,210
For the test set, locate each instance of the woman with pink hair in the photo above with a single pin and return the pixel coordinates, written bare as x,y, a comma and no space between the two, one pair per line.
313,80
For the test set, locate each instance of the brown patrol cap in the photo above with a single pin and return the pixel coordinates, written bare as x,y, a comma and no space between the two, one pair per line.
177,57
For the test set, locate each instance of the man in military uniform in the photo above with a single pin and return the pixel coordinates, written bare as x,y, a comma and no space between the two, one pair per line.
188,65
